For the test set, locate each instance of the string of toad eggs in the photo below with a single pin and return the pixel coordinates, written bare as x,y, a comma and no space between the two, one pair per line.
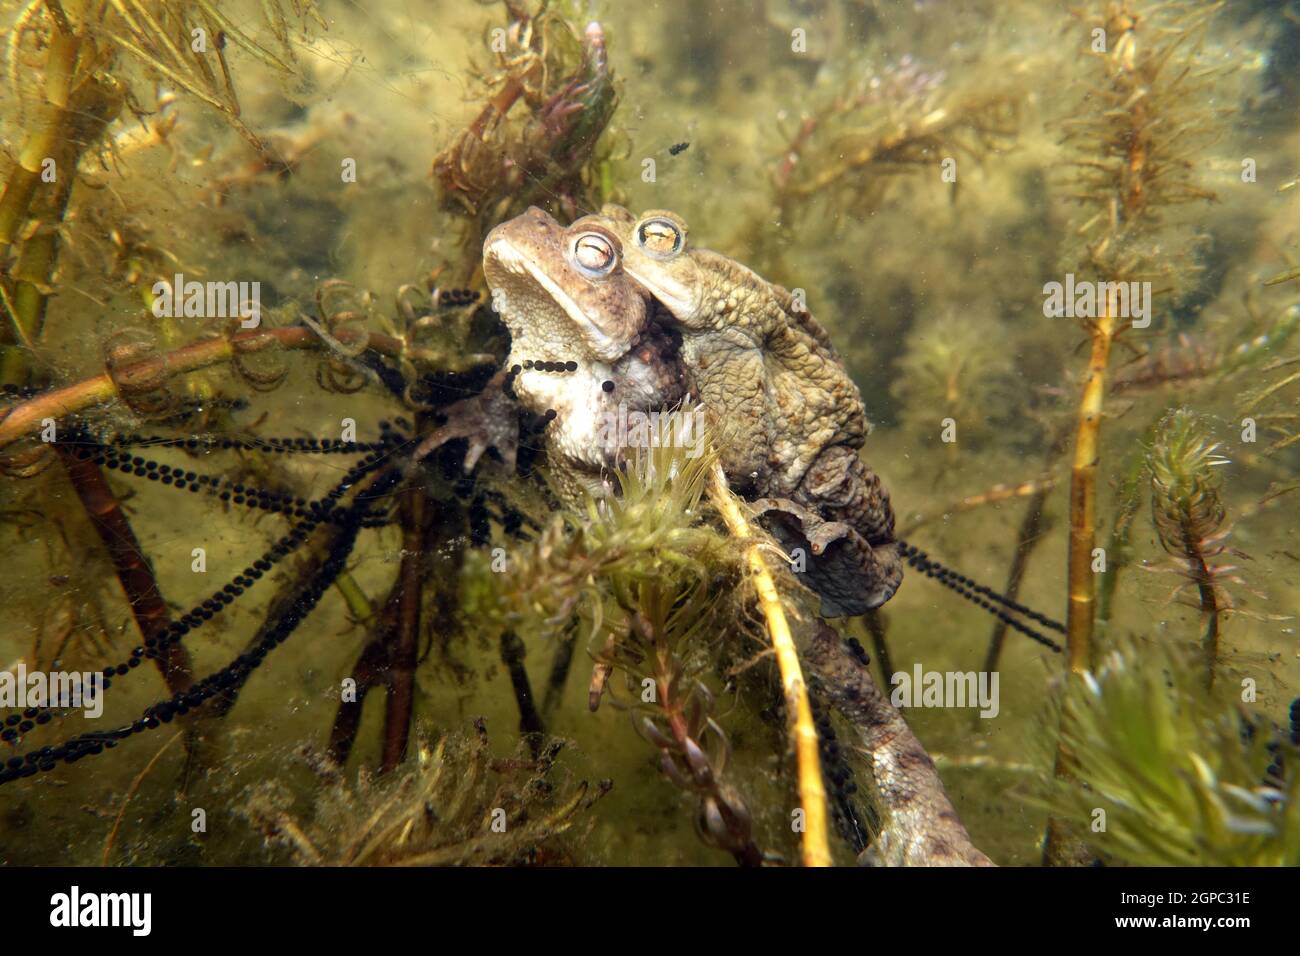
351,520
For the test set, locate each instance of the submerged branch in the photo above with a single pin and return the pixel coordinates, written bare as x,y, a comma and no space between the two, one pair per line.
919,826
133,570
26,418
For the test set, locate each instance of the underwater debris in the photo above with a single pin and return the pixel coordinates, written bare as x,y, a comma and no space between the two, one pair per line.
450,804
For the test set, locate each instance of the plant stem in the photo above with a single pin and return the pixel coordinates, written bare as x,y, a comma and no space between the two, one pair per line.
812,790
366,674
358,604
1058,847
404,641
513,653
1027,538
78,108
1083,498
133,571
1204,578
25,418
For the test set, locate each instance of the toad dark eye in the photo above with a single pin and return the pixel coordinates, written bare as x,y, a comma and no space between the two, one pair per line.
594,254
660,238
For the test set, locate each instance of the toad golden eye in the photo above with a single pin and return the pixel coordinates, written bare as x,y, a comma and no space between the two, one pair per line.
660,238
594,254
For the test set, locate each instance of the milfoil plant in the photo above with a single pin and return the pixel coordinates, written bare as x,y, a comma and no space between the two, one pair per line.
1166,775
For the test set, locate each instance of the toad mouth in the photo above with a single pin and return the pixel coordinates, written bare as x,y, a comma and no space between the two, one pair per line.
513,261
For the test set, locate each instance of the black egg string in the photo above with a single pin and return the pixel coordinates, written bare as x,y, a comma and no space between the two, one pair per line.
839,776
320,511
18,392
223,489
553,367
510,517
982,596
454,298
559,368
917,557
1275,775
230,677
1276,744
204,611
319,446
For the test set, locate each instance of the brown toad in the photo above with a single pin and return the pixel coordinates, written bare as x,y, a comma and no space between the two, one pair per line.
789,419
582,343
636,320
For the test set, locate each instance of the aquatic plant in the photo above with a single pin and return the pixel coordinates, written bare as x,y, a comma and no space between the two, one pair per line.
1141,124
1120,550
450,804
662,592
1188,513
672,708
848,146
651,529
1276,399
954,369
506,160
666,581
68,67
1166,775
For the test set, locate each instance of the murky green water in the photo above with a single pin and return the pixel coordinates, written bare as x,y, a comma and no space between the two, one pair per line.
921,172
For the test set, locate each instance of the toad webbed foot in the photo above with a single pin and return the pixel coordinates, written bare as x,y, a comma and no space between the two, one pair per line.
847,572
489,419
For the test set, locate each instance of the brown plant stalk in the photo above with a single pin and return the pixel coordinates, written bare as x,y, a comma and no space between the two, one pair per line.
133,570
26,418
404,641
